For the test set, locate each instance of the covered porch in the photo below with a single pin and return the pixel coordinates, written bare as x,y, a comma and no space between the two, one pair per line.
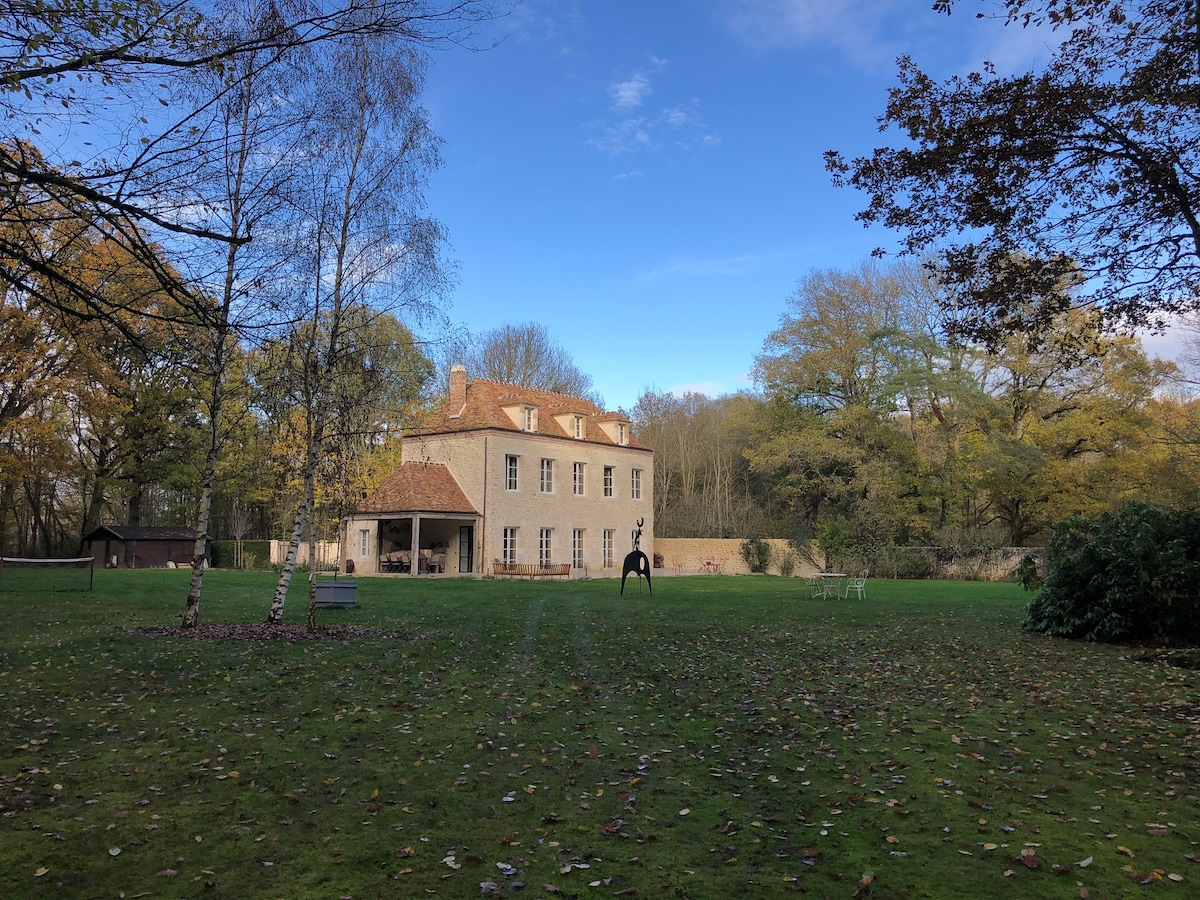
417,522
438,544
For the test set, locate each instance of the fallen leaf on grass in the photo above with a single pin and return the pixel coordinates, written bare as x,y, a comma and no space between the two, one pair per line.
40,872
1125,851
1144,877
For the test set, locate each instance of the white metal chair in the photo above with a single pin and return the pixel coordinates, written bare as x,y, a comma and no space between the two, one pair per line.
857,586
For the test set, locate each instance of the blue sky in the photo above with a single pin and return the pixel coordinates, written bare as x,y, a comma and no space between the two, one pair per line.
645,177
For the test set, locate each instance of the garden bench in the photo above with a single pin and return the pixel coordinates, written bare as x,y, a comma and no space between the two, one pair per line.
531,570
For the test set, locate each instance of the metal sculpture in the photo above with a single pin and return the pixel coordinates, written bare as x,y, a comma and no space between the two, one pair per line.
636,561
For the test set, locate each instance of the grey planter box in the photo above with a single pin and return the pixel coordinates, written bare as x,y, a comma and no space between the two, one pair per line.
338,592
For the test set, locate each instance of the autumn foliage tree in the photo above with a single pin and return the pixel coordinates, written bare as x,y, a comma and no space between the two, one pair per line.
1074,185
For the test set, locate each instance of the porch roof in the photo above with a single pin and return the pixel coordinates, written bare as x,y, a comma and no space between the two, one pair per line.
419,488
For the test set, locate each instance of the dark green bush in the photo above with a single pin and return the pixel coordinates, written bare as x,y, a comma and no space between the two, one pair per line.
757,554
1132,575
1027,573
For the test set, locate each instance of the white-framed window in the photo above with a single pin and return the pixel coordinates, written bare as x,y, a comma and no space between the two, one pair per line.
578,430
545,546
530,418
364,542
622,438
547,483
635,484
577,479
608,481
509,549
607,547
510,472
577,548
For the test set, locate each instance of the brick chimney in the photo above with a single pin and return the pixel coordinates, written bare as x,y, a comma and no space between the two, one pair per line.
458,390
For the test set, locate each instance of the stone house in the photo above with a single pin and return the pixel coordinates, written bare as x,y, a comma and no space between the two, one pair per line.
499,472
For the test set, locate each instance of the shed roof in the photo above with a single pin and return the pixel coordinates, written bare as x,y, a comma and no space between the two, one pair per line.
142,533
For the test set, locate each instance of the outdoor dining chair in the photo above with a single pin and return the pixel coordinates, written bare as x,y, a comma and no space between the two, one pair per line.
857,586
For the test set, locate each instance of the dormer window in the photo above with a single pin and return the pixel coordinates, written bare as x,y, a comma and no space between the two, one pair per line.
622,437
578,432
530,423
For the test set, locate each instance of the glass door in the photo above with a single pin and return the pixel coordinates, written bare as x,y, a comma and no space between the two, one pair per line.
466,548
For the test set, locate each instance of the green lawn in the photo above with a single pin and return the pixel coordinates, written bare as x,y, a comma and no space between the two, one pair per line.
726,737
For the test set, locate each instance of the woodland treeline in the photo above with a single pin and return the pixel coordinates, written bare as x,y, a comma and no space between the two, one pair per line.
874,427
102,424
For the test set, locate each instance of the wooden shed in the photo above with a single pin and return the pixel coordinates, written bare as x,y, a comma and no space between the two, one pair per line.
142,546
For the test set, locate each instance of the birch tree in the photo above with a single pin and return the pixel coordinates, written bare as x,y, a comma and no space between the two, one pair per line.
371,244
100,133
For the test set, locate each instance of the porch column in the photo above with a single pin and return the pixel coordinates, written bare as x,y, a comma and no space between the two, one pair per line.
414,550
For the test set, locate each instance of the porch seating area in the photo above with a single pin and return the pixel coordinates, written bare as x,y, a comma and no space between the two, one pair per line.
400,562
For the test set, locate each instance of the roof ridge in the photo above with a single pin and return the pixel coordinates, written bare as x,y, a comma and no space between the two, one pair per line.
522,387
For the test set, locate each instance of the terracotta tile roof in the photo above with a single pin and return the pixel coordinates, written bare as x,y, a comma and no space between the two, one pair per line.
485,404
418,487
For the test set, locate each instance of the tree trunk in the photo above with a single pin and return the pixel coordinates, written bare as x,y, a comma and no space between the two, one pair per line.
312,579
289,564
191,608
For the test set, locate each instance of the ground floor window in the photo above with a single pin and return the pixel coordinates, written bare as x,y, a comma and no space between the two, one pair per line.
577,548
364,542
544,546
607,547
509,550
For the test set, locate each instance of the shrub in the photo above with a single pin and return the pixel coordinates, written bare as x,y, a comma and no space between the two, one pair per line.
757,554
1132,575
787,565
1027,574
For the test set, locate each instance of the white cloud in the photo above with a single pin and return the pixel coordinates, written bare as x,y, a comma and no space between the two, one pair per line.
628,176
859,28
712,389
556,21
680,125
622,136
630,94
707,388
870,34
677,116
